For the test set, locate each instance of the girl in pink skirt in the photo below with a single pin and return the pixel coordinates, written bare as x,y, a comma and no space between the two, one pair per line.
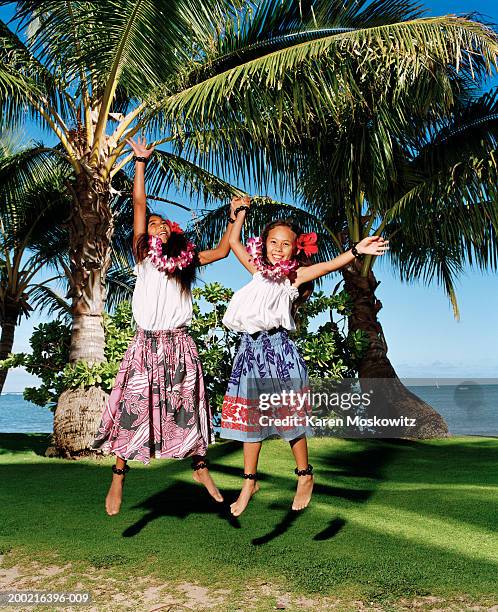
158,406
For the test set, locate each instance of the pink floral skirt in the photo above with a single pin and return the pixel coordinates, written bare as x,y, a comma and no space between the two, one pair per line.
158,406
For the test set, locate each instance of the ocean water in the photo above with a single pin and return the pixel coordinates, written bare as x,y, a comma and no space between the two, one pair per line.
469,409
20,416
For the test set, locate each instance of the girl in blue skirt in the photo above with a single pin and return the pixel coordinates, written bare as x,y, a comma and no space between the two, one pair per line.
268,365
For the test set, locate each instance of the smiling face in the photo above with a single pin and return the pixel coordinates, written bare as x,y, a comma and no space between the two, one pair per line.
280,244
159,227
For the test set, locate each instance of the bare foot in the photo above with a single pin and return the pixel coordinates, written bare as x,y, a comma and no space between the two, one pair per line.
115,495
303,492
203,477
248,490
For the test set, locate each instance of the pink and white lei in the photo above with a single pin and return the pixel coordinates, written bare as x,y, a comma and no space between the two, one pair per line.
169,264
275,272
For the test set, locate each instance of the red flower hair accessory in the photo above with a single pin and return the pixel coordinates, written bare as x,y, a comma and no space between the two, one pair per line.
174,227
307,243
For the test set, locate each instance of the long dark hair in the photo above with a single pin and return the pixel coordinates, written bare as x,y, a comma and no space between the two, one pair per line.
174,246
306,289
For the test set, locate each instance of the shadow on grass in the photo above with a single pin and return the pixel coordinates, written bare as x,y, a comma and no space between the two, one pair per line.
364,466
180,500
367,462
22,442
279,529
332,530
56,505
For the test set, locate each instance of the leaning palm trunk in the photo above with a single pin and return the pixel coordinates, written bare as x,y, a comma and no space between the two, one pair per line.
390,398
9,322
78,411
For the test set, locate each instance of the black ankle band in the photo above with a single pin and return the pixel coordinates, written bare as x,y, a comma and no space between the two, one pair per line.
119,471
307,472
199,465
251,476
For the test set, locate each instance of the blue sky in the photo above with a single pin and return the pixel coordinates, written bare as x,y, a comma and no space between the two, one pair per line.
423,337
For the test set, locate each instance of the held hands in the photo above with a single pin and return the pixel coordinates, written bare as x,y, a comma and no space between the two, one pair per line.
373,245
139,147
237,202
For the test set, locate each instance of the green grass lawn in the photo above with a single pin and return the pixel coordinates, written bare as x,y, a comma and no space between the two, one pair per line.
389,519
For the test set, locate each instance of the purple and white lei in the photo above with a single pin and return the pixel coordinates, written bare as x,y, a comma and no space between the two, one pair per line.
274,272
169,264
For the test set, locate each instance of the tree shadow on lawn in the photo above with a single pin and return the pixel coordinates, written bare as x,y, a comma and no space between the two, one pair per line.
22,442
463,457
365,464
439,475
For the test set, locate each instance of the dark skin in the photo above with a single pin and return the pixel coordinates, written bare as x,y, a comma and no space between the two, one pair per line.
157,226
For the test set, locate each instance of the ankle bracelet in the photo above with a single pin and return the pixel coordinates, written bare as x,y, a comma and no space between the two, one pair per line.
250,476
121,471
307,472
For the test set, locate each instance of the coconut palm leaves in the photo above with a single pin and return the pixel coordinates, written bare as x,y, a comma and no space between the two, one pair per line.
449,216
321,79
171,66
271,69
23,213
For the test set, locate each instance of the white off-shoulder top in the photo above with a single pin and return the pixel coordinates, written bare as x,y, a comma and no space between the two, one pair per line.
157,301
261,305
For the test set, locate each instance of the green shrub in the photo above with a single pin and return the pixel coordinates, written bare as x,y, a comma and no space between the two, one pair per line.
328,351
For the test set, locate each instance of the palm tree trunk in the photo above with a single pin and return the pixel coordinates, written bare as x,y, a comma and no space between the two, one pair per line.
9,322
390,398
78,411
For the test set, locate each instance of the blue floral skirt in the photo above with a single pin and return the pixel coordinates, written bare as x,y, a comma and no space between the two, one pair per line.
268,391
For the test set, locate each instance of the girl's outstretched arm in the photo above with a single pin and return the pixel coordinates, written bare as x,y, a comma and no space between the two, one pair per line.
223,248
235,244
139,201
373,245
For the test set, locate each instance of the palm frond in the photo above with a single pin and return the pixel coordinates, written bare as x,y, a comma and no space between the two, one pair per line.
395,54
24,171
167,169
24,79
265,26
120,283
46,299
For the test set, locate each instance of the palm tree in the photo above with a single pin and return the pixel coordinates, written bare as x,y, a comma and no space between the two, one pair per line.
408,167
29,198
34,206
97,73
432,190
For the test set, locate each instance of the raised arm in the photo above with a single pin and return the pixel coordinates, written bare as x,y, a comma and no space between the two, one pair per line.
139,200
373,245
235,244
223,248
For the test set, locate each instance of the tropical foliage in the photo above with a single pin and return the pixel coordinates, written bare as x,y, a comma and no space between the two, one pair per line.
415,162
242,88
328,350
30,201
